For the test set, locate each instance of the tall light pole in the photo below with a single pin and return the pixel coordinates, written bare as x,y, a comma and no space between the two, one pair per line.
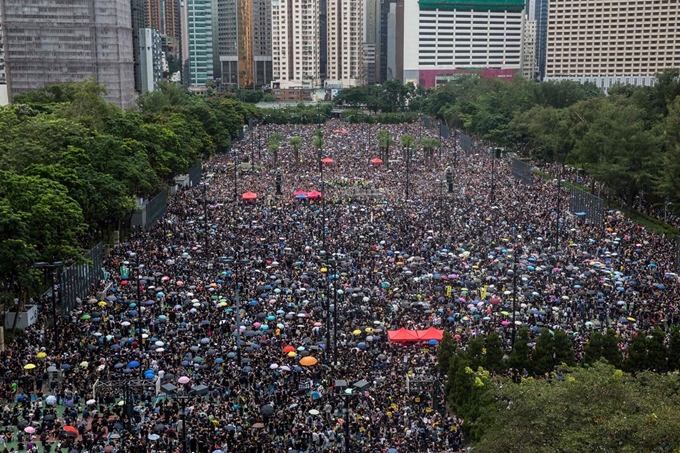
346,394
237,263
138,327
492,198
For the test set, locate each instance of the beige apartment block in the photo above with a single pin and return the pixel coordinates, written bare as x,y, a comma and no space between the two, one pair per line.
345,43
295,44
612,41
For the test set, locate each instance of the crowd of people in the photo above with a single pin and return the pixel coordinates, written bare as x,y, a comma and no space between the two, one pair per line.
231,324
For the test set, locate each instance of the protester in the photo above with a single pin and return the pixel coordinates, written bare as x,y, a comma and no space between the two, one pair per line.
440,258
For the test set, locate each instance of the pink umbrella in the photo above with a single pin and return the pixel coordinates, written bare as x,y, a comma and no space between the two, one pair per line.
257,324
29,429
184,380
504,323
495,301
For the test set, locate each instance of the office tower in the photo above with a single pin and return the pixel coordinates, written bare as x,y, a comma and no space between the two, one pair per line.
612,41
448,37
323,38
171,30
295,44
540,8
387,14
153,13
151,58
388,59
55,41
529,62
345,43
372,40
200,43
244,42
138,9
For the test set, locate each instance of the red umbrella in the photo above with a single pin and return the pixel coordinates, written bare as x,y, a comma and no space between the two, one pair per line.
327,160
288,349
314,194
249,196
376,161
71,429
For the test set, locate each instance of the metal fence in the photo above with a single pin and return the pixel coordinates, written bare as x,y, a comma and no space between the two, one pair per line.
465,142
195,173
443,131
151,211
522,171
78,281
586,205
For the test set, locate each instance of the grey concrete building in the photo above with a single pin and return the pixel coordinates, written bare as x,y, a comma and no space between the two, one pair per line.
55,41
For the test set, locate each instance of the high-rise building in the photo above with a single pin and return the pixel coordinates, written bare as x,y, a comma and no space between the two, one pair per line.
447,36
244,42
387,18
529,62
151,58
540,12
153,14
200,43
171,29
345,20
612,41
138,20
295,44
372,40
55,41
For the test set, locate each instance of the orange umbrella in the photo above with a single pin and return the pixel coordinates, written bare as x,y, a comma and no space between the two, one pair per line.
288,349
308,361
71,429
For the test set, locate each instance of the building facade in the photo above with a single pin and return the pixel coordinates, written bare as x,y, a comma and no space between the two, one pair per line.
345,23
138,9
385,49
540,10
529,61
445,35
151,58
295,44
612,41
50,41
244,42
200,43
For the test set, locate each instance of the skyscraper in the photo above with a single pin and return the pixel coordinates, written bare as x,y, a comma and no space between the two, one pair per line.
244,42
295,43
200,43
540,8
628,43
151,58
387,14
138,18
345,43
55,41
445,37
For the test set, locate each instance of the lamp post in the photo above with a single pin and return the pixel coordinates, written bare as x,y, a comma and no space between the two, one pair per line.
558,190
408,170
205,215
55,282
237,263
441,205
183,396
514,292
346,394
493,176
138,328
235,180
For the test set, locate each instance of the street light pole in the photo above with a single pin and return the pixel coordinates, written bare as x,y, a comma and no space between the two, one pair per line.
408,170
514,294
493,176
55,281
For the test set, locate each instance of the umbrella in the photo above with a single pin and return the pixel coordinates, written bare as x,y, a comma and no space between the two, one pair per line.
29,429
71,429
267,410
29,366
308,361
51,400
153,437
314,412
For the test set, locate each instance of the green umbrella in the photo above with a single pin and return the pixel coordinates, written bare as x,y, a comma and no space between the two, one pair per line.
85,316
199,360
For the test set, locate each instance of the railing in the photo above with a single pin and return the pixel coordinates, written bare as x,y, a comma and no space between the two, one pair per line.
79,280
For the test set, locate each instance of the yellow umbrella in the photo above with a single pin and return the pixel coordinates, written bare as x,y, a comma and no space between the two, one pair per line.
356,332
292,354
308,361
324,270
223,304
29,366
41,355
101,303
368,329
83,364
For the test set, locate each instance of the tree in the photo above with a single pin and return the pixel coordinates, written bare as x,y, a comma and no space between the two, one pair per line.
674,350
407,142
657,360
564,349
385,140
296,144
475,352
445,352
543,356
637,354
429,144
594,408
592,351
493,359
274,143
318,143
519,357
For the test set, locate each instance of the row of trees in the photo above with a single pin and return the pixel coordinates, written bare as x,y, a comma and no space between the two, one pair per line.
71,165
627,140
542,356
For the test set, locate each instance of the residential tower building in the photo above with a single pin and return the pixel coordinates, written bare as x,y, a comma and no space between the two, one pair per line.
345,20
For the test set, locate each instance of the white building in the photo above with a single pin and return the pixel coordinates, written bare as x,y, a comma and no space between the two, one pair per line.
345,24
151,58
443,36
612,41
295,44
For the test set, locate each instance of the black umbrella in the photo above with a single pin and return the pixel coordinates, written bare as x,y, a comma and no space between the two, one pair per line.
159,428
267,410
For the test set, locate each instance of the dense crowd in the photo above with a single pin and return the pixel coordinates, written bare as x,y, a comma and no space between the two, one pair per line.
271,280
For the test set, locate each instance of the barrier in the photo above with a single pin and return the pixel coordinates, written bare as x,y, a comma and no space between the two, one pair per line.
465,142
522,171
78,280
585,205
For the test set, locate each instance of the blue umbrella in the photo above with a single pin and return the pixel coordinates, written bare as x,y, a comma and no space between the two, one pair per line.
65,366
271,318
119,366
115,346
132,305
433,342
133,312
160,294
149,374
392,450
127,370
133,364
184,363
252,303
231,355
623,320
219,360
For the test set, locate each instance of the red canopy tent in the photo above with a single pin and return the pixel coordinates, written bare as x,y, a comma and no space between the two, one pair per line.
249,196
340,131
327,160
299,192
314,194
376,161
430,334
402,335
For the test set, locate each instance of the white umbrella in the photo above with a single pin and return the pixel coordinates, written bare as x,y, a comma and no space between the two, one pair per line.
273,366
51,400
90,402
